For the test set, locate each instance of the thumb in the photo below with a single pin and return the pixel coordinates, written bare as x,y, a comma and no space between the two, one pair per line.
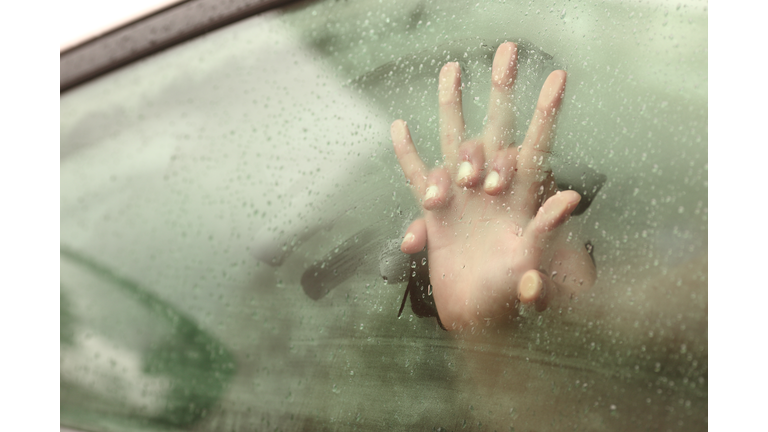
535,287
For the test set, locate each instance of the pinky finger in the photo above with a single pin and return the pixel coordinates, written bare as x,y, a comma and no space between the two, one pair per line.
415,237
412,165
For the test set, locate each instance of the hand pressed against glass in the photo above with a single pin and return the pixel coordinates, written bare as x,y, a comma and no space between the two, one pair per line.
493,215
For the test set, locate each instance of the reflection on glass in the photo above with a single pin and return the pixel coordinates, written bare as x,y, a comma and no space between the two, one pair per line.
246,181
128,359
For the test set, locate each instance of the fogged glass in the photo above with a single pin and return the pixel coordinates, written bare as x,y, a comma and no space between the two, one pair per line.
231,214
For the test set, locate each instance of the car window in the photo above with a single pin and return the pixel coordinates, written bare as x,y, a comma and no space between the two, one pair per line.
232,211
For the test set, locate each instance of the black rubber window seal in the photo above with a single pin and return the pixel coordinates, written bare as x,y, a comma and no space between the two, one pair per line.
151,34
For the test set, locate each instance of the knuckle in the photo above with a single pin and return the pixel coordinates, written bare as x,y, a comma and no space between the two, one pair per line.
502,82
448,100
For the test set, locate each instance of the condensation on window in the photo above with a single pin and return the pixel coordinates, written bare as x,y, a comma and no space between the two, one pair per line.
232,210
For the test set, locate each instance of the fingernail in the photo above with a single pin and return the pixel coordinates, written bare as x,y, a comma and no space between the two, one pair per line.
492,180
465,171
397,130
431,192
551,91
408,239
530,286
504,66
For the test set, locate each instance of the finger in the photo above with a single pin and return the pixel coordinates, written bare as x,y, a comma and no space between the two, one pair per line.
415,237
471,163
437,192
412,165
539,235
451,117
555,212
499,131
535,287
501,171
533,163
539,192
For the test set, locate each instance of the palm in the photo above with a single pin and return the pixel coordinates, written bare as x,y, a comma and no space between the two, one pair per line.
492,212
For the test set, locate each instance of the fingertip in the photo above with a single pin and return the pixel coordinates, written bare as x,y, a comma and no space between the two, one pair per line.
394,132
564,203
530,287
434,198
398,130
556,210
449,67
535,288
571,197
449,88
501,171
469,171
557,77
505,65
436,194
553,89
450,75
432,192
492,183
466,174
411,244
415,238
511,46
407,240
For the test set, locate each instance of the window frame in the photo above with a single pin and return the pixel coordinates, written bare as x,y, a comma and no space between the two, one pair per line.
151,34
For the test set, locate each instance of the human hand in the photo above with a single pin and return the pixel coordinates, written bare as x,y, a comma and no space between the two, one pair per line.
493,219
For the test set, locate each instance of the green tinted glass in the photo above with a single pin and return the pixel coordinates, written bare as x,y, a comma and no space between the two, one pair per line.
232,211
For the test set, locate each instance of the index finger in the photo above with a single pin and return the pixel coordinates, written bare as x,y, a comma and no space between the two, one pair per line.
451,116
533,162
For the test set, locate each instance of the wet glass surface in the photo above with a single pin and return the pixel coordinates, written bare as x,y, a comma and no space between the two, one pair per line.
231,208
